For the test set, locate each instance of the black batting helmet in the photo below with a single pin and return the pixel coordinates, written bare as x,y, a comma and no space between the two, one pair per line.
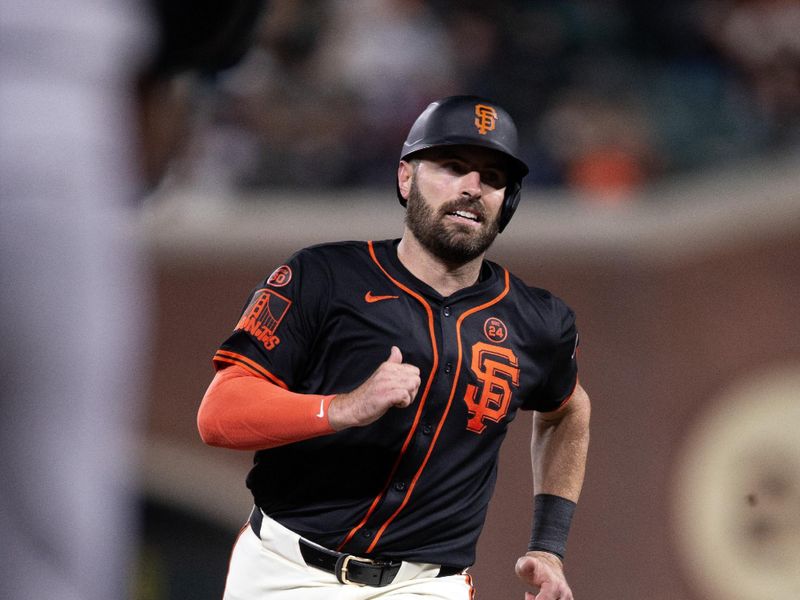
470,121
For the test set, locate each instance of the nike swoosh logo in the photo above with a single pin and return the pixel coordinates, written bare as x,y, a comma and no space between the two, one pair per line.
369,297
321,412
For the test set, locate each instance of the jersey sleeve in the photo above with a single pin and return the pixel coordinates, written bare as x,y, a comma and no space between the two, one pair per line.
562,376
275,330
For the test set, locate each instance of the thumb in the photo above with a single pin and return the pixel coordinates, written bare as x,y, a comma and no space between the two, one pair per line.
529,570
525,567
395,356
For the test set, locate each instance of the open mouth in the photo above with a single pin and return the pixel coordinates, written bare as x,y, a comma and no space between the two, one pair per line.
465,215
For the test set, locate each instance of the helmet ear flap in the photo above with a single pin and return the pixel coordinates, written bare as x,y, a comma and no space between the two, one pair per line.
510,202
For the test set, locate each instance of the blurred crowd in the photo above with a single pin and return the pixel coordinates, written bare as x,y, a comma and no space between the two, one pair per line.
609,96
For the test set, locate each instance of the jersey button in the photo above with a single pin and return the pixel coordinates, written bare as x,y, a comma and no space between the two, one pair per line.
427,429
400,486
448,367
367,533
446,311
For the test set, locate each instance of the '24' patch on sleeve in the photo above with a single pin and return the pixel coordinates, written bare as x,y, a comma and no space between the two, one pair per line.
263,315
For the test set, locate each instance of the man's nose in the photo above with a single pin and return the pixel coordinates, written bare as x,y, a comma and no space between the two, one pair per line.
471,184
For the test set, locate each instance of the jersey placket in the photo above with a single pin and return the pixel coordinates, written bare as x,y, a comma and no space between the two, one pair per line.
432,417
434,408
395,494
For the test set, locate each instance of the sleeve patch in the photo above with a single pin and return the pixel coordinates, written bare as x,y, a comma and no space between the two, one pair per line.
263,315
280,276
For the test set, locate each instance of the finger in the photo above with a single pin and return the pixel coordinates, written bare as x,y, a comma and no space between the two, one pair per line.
406,396
397,377
553,592
413,386
404,402
400,370
413,369
395,356
548,592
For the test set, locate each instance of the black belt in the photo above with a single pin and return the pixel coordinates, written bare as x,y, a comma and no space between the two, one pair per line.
346,567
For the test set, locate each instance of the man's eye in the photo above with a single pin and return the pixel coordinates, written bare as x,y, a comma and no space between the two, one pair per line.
493,178
455,166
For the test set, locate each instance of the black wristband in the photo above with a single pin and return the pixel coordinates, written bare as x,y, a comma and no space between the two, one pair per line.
552,516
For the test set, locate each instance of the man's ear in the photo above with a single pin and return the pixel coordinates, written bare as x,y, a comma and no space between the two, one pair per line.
405,173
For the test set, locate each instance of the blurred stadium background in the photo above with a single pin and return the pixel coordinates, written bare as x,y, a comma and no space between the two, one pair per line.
663,205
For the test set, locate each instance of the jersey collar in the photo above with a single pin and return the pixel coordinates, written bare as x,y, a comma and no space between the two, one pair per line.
386,252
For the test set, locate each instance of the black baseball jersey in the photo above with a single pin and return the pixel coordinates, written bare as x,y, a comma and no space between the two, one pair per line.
414,485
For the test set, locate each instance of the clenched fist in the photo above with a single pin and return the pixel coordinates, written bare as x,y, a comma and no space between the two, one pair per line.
394,383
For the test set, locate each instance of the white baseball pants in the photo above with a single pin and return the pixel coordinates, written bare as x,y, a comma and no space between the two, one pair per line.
270,567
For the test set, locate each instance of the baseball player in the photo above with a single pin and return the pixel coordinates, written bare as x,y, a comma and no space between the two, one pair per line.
376,381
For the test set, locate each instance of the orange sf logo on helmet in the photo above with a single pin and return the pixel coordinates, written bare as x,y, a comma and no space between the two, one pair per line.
485,118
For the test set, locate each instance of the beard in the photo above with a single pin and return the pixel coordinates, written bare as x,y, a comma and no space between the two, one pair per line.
450,242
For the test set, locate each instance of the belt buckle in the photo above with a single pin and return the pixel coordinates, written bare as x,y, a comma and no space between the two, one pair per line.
341,574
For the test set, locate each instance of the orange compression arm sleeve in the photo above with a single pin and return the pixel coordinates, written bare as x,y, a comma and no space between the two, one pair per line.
244,412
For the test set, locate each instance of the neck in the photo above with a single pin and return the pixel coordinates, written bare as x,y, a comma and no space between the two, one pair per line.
446,278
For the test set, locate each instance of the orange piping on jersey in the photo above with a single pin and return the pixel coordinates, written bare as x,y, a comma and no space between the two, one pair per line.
422,400
413,484
471,586
224,356
566,401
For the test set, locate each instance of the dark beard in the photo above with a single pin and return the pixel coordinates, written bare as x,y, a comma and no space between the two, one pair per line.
453,245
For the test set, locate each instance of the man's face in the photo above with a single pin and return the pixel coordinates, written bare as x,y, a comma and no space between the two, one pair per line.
454,201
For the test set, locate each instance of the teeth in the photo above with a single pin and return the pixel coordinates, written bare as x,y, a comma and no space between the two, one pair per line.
466,215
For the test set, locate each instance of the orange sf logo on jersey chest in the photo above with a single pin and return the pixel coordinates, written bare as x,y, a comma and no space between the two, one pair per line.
497,369
485,118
